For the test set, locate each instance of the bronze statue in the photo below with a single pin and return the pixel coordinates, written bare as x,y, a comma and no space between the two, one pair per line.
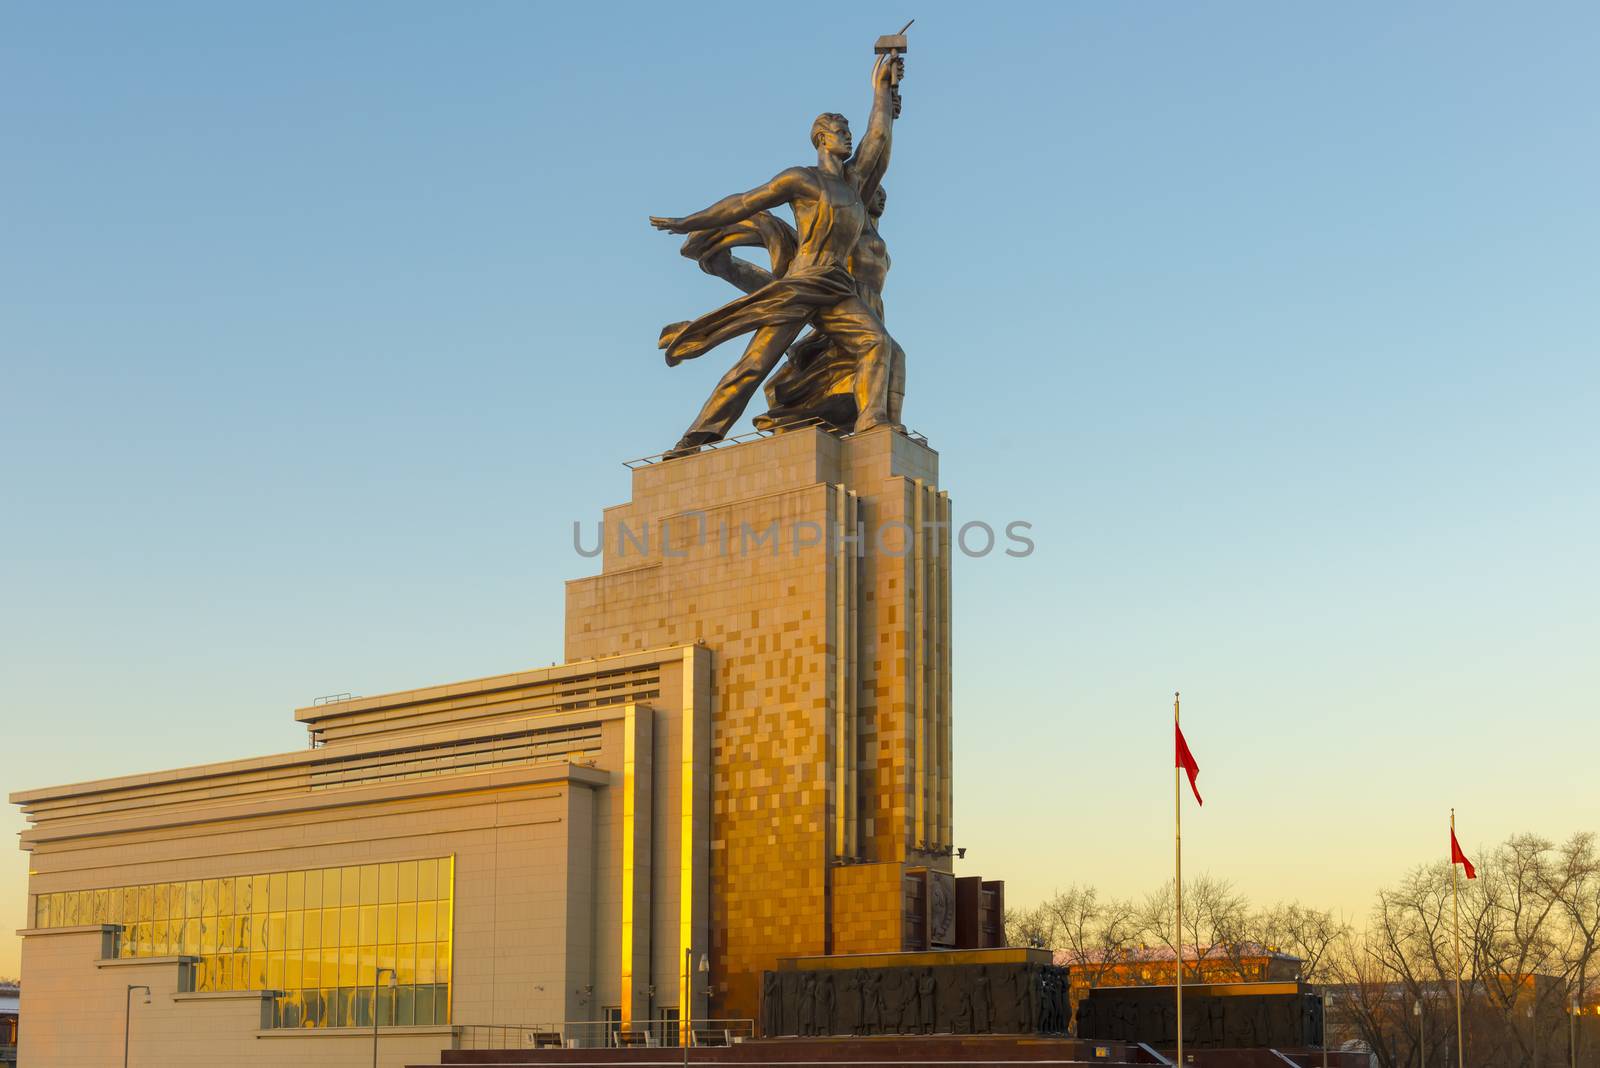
817,381
771,1004
982,1001
852,983
816,286
823,1022
927,991
808,1005
872,1002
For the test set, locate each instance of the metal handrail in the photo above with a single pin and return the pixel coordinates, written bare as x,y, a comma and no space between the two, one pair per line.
596,1034
756,435
720,443
1157,1055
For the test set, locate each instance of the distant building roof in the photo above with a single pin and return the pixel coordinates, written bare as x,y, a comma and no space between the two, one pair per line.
1155,954
10,998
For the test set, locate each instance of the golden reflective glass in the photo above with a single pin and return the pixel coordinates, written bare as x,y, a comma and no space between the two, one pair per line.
349,965
406,964
277,934
388,882
313,929
317,935
313,882
425,962
350,886
407,880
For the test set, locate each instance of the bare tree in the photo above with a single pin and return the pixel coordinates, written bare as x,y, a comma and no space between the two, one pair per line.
1029,927
1529,941
1575,886
1371,1008
1095,933
1215,918
1519,945
1303,932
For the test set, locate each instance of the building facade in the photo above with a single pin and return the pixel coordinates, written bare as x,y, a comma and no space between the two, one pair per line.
745,756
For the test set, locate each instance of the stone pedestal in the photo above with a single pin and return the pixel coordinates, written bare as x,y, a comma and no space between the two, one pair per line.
816,570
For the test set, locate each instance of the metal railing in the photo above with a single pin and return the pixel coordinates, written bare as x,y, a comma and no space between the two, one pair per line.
601,1034
757,435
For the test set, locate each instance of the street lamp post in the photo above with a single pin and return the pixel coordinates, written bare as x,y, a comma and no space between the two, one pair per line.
1422,1032
1325,1004
688,1001
376,976
127,1015
1572,1029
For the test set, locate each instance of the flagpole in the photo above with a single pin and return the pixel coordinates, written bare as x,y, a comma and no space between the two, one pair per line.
1455,908
1177,881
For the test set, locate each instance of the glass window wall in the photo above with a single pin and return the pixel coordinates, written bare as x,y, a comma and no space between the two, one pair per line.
320,936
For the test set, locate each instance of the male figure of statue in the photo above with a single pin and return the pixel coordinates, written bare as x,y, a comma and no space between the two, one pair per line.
817,287
817,381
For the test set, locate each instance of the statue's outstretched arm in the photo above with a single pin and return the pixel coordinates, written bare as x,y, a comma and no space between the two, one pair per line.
796,181
872,153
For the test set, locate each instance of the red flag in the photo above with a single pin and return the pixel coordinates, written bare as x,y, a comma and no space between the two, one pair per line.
1187,762
1458,857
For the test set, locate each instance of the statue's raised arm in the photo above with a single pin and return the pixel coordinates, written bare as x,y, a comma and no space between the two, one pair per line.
871,160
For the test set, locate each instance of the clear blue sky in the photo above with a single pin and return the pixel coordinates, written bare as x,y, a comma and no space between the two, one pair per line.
320,324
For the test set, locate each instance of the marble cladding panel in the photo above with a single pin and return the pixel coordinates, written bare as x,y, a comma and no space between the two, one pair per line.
867,902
